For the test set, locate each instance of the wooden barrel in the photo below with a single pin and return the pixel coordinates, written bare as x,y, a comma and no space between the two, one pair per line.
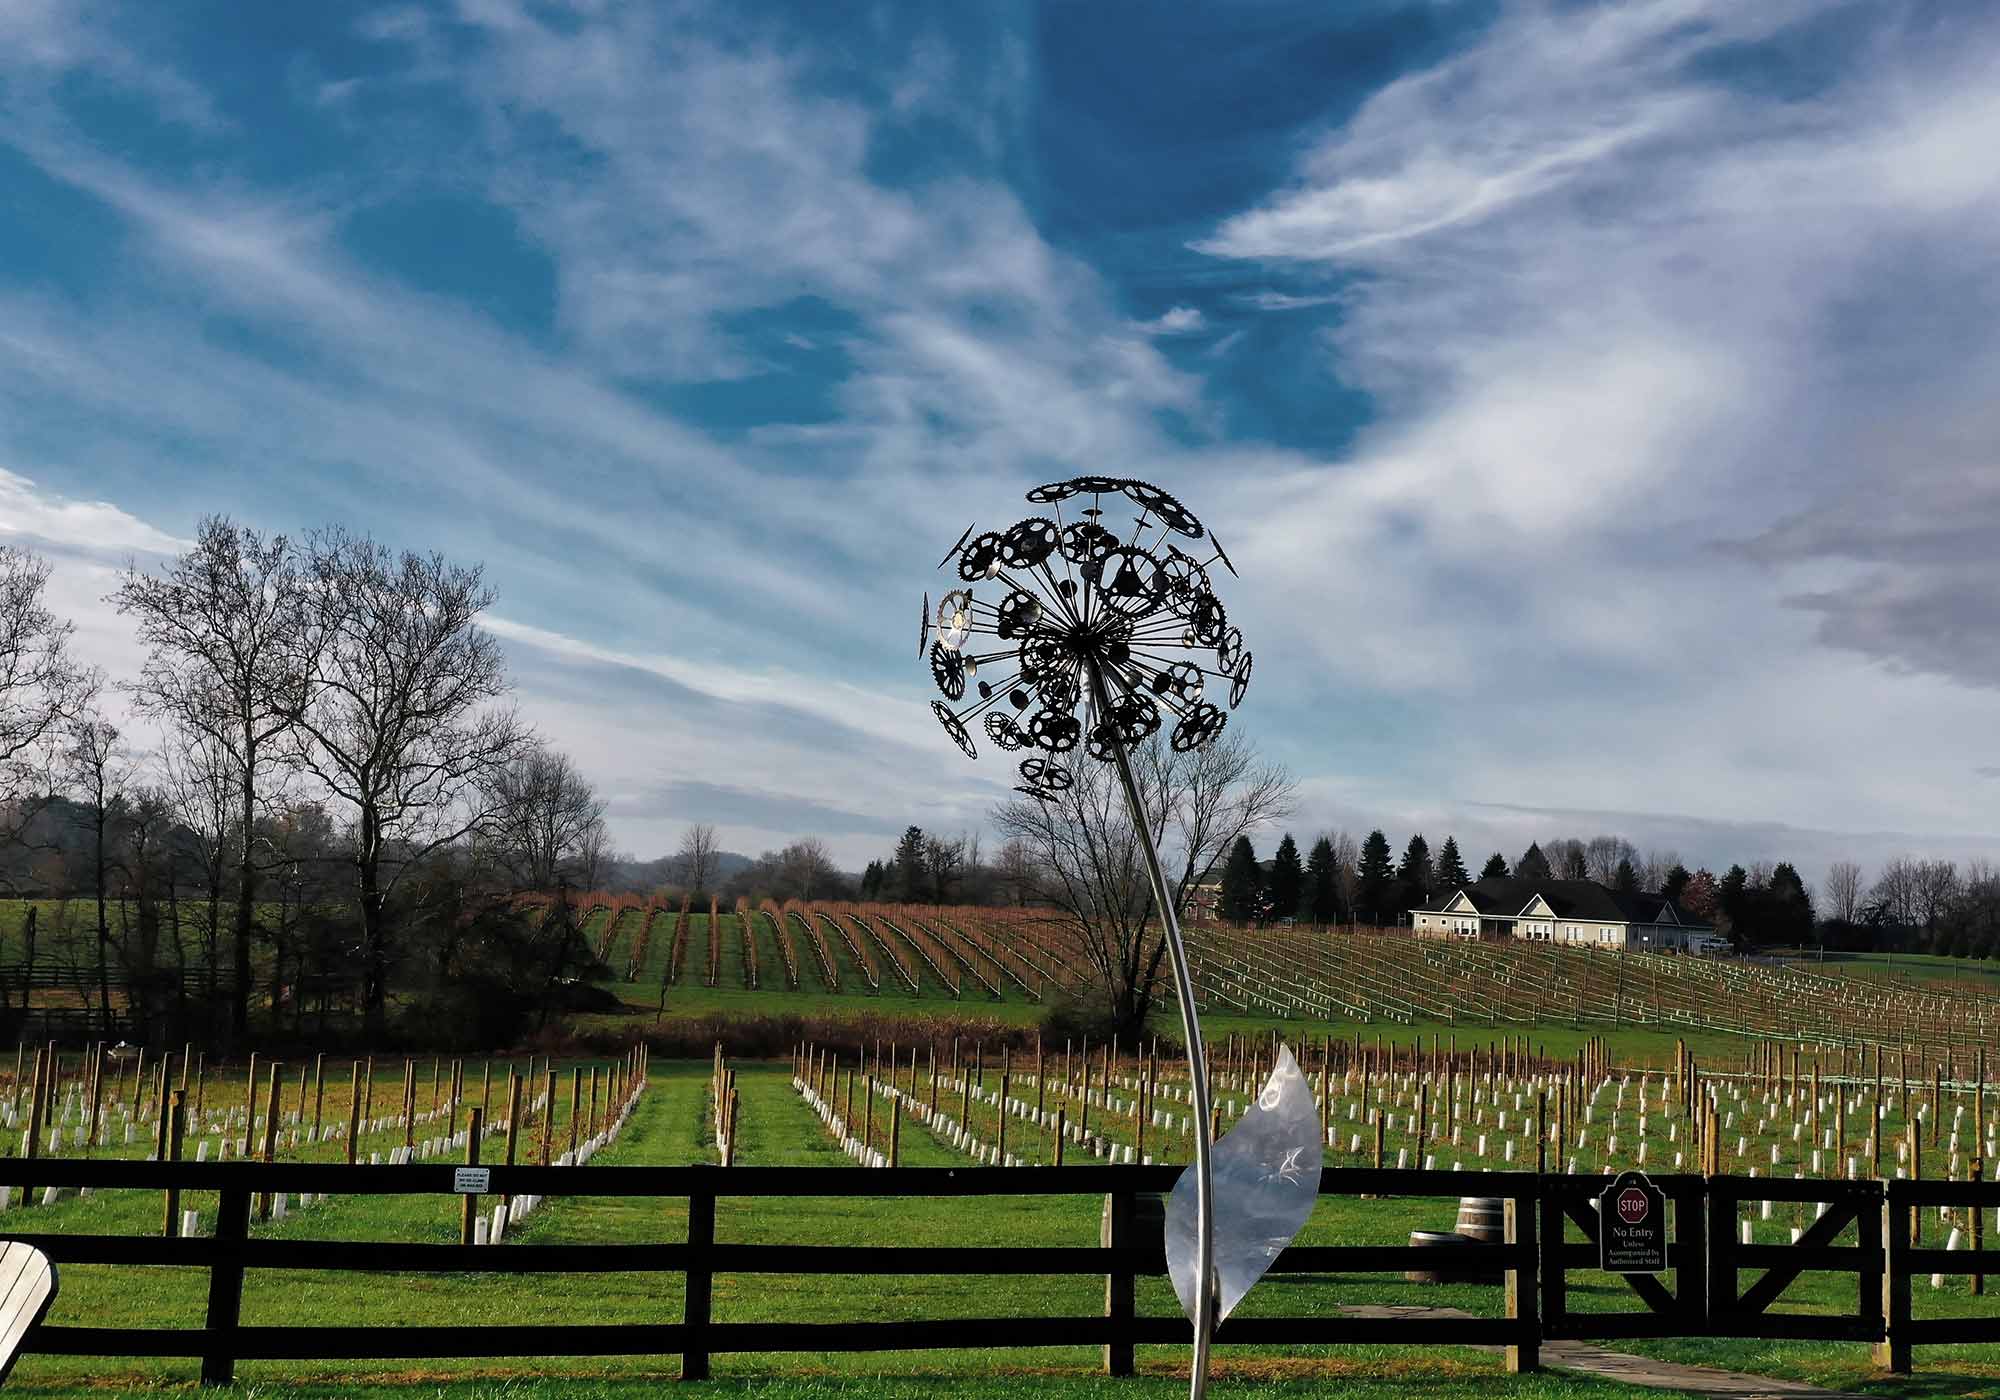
1484,1218
1424,1239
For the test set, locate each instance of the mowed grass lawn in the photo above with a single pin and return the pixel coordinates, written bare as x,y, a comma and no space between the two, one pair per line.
670,1126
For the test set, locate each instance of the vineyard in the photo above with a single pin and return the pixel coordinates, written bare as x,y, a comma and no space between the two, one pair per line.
999,958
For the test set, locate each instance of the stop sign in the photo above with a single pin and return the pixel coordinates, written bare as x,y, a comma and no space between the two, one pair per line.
1632,1205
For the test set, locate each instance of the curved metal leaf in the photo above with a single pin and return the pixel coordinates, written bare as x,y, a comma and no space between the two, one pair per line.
1266,1180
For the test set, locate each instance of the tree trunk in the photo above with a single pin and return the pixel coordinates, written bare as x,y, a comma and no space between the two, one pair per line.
103,929
374,928
246,895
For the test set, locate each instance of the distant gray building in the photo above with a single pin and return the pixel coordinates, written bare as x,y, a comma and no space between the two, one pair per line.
1561,911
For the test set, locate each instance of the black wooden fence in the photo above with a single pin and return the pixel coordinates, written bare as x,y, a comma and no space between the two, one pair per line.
1710,1296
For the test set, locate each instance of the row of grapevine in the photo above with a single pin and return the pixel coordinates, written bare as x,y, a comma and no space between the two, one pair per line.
677,954
935,957
827,972
855,951
749,942
783,936
904,973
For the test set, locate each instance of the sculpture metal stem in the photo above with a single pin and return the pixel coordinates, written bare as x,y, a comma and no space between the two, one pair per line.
1197,1057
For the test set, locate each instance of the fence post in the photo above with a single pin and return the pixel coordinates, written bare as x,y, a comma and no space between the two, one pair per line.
1868,1237
176,1125
1892,1353
225,1286
1523,1265
468,1211
1721,1210
700,1293
1554,1279
1691,1268
1116,1233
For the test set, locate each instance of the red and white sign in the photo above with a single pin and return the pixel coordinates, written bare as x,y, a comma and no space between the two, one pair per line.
1632,1205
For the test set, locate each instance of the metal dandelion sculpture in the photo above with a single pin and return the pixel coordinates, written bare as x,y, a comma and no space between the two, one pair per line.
1100,627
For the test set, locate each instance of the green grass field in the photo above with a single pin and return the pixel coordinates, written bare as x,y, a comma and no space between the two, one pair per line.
776,1127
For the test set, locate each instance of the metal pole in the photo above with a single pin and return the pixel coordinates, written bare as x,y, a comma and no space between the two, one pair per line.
1204,1320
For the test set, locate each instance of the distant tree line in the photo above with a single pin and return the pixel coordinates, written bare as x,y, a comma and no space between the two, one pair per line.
345,798
1919,905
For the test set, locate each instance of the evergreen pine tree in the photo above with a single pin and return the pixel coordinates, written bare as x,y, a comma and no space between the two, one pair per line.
1242,882
1374,875
1451,873
1676,883
1496,867
1626,879
1288,879
1322,884
1416,873
911,882
1533,865
871,880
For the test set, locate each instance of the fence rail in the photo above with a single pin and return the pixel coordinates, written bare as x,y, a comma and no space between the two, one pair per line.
1711,1295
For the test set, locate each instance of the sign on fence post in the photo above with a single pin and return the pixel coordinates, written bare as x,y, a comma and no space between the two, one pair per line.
1632,1226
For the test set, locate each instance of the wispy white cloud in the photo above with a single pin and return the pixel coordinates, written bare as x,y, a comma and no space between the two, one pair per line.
1614,311
1175,320
95,527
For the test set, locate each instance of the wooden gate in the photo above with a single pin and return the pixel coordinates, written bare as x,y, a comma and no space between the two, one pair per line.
1679,1311
1737,1311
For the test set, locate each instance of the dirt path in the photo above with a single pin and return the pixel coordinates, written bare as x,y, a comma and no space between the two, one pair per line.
1642,1370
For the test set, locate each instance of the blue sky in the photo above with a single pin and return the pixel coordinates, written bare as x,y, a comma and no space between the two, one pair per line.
1597,399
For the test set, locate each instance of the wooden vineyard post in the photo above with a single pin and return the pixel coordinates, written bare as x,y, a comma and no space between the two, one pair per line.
225,1287
31,1147
699,1300
1541,1131
319,1092
1000,1122
249,1107
409,1102
1975,1172
575,1102
176,1117
468,1209
269,1152
163,1127
354,1114
513,1127
592,1126
368,1094
1083,1109
96,1134
548,1111
1041,1096
895,1132
1916,1174
1062,1133
1118,1285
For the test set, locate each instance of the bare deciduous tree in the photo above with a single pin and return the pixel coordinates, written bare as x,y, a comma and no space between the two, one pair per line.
944,862
694,862
41,688
545,815
1601,855
1842,888
806,868
229,658
197,776
401,719
1085,853
97,767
